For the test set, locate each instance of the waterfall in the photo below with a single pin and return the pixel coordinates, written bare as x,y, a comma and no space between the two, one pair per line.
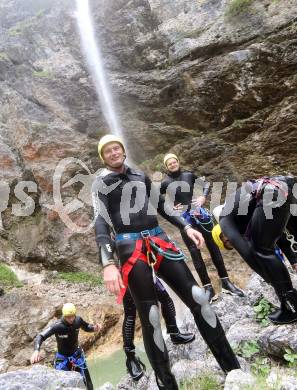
95,63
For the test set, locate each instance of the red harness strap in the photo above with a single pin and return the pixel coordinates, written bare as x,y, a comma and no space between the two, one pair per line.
139,255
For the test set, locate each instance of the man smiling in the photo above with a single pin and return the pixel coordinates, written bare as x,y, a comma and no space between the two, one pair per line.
127,199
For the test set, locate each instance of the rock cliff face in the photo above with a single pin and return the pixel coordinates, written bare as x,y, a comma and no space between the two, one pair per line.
214,83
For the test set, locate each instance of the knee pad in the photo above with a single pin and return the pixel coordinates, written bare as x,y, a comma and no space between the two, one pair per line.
154,319
205,309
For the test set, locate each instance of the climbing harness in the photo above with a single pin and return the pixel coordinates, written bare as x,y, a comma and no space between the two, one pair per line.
291,239
150,249
200,216
74,362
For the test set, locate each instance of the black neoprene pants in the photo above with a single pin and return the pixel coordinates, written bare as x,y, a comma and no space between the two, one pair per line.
259,252
168,312
177,275
196,255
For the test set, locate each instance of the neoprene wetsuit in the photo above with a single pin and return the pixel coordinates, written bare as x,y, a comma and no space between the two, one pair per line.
184,194
67,342
255,236
110,187
128,328
168,312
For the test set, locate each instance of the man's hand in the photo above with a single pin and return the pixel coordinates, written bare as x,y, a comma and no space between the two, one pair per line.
36,357
112,279
198,202
178,207
196,237
294,266
97,327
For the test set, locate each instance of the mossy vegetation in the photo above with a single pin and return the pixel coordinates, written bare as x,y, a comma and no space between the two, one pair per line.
80,277
237,7
20,27
42,74
39,126
203,382
3,56
8,278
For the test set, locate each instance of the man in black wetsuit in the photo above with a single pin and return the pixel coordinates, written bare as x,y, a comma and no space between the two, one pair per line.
133,363
128,201
254,222
70,355
179,186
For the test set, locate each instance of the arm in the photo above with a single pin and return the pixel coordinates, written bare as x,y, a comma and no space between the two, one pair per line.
111,275
89,327
164,186
153,193
104,241
102,228
39,339
177,221
86,326
201,183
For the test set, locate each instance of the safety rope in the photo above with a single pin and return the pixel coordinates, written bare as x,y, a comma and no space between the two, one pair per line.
169,255
204,225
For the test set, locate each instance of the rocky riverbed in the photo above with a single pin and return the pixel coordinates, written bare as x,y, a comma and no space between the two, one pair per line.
261,351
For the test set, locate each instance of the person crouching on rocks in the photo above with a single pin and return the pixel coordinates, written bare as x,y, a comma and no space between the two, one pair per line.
70,356
254,222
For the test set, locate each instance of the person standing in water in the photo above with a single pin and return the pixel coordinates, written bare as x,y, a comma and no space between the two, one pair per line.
70,356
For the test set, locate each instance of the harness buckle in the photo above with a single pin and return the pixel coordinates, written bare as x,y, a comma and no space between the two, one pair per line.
145,234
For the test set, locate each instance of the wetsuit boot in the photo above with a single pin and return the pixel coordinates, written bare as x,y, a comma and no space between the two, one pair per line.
169,315
209,290
177,337
287,313
182,338
134,365
164,378
230,288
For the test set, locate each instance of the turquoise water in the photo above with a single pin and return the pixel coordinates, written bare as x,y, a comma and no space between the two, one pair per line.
111,368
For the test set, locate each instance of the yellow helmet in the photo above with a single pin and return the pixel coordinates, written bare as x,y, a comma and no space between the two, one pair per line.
106,139
216,235
168,156
68,309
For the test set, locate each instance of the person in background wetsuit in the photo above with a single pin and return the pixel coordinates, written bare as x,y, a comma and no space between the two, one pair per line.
134,365
128,202
69,354
179,186
254,223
